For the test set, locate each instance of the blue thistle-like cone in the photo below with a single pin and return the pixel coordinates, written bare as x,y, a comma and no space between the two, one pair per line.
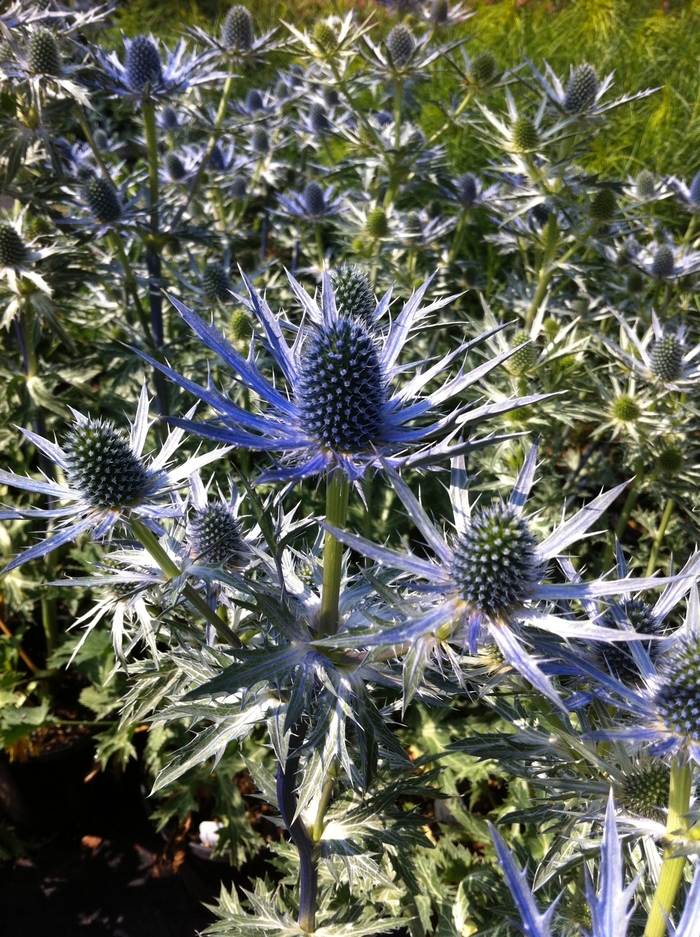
215,535
13,252
237,31
259,140
331,98
495,568
413,223
216,159
525,134
296,75
353,294
667,358
635,281
169,119
101,139
254,101
695,190
483,67
603,206
238,189
143,65
581,89
645,184
439,11
466,189
579,306
645,791
281,89
174,167
102,466
318,118
678,698
617,657
342,390
401,44
42,53
102,200
40,226
314,199
216,283
539,214
663,263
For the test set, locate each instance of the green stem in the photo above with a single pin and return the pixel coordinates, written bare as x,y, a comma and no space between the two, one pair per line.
671,873
336,513
665,518
149,542
117,243
319,247
149,123
26,318
85,126
326,794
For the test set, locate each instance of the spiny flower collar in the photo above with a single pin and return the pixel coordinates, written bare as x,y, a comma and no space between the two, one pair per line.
342,409
489,578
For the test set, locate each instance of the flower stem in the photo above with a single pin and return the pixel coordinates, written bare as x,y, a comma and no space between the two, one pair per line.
665,518
672,868
336,514
149,542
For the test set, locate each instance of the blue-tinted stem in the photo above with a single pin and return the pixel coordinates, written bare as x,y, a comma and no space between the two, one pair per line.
308,854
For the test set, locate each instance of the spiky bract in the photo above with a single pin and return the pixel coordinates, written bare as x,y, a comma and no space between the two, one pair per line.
616,657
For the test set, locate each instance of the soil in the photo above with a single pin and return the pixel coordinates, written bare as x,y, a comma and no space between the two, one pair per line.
93,865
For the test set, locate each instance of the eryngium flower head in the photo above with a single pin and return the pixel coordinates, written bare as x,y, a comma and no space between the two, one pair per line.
259,140
314,199
13,251
667,358
174,167
254,100
103,467
401,45
663,263
108,480
325,36
525,358
603,206
237,31
525,134
215,535
645,184
495,567
354,297
482,68
645,790
466,189
42,53
377,224
581,89
318,118
169,119
101,139
216,283
677,698
143,65
102,200
341,408
238,187
342,390
439,11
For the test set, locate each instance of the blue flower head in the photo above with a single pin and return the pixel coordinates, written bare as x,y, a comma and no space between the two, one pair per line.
108,480
343,409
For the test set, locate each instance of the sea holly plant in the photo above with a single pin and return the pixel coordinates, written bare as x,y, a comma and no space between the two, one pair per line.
483,356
